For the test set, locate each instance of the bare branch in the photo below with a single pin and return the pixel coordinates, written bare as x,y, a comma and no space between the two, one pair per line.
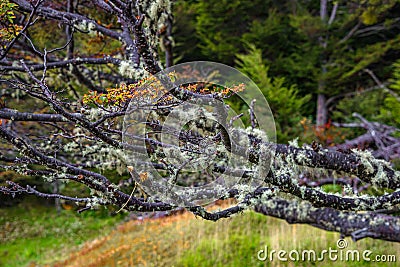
356,225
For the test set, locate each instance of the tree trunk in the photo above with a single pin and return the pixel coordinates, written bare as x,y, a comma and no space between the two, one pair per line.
322,112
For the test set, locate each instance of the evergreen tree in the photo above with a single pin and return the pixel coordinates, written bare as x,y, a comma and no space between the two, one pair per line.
285,102
323,47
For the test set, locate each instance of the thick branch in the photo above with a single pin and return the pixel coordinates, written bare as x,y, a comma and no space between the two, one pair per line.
356,225
62,64
366,168
14,115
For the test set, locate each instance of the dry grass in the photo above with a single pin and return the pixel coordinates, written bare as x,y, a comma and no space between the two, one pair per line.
183,240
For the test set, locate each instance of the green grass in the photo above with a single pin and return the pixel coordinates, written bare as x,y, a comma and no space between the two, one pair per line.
35,233
236,242
231,244
185,240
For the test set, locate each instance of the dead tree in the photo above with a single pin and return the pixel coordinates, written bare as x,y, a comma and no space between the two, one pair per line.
51,133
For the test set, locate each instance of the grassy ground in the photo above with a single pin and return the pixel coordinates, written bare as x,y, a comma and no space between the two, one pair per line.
184,240
179,240
32,233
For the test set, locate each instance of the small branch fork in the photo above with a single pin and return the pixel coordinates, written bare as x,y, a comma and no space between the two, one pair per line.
14,189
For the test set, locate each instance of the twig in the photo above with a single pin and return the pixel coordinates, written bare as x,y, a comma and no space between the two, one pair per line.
252,116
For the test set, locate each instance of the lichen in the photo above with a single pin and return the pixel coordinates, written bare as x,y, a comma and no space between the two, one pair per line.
366,159
86,26
157,14
131,70
294,142
260,134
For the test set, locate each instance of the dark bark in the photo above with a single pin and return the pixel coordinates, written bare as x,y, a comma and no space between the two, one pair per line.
356,225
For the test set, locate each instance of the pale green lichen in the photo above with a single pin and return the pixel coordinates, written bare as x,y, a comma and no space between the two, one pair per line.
380,177
94,114
302,158
107,157
86,26
131,70
294,142
260,134
366,159
157,14
348,190
372,165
